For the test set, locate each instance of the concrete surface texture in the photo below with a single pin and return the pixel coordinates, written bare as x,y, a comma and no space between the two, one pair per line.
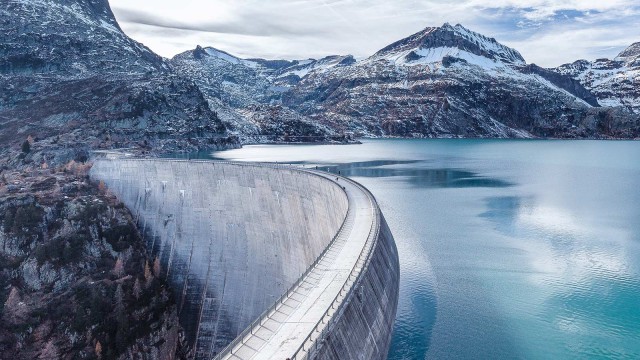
232,238
363,327
345,307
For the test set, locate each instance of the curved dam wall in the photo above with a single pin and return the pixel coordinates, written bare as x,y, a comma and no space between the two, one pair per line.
231,238
363,327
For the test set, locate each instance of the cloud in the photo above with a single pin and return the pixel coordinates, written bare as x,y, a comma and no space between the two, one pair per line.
244,24
547,32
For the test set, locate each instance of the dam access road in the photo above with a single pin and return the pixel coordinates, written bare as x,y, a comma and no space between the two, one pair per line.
269,223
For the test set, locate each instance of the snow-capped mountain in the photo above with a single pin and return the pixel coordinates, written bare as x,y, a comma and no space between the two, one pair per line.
441,81
434,43
68,73
246,93
68,37
66,68
614,82
450,81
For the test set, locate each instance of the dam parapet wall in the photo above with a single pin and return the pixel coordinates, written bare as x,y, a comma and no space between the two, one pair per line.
345,306
362,328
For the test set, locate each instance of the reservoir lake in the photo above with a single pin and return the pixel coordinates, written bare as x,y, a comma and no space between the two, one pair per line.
509,249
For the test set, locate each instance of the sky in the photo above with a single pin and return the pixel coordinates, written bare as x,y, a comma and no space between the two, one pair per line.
546,32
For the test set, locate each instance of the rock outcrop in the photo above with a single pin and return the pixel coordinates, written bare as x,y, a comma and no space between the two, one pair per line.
76,281
65,66
614,82
443,81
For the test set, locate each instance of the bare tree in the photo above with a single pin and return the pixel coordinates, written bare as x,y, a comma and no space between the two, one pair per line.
137,289
156,267
118,268
99,350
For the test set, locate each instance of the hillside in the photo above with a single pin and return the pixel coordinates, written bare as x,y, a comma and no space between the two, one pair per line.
71,77
614,82
443,81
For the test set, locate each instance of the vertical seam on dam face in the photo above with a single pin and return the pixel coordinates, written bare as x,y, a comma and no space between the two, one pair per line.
299,263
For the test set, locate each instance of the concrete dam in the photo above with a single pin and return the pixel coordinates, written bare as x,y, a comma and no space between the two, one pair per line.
265,261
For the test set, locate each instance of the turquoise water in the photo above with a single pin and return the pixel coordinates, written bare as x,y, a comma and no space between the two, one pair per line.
508,249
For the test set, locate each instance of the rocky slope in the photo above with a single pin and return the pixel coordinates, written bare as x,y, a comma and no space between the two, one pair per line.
614,82
65,66
450,81
443,81
75,279
246,94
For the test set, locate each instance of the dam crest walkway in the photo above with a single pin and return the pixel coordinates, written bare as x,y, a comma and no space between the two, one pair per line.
299,321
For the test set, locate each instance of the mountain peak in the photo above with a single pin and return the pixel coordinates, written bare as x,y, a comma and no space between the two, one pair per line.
631,53
69,37
209,53
447,36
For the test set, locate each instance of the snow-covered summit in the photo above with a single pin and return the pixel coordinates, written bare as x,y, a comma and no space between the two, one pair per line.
211,52
630,55
434,43
614,82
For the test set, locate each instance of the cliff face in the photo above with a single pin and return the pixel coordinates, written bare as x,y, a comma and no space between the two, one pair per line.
76,281
68,38
65,66
443,81
451,82
614,82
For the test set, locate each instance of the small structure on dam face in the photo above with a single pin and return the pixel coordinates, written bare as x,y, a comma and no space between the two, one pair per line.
232,238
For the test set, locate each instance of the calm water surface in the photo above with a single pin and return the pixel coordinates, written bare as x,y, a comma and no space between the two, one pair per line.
508,249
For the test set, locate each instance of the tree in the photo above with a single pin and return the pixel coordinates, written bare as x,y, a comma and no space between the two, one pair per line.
122,321
71,165
99,350
118,268
50,352
13,311
26,147
119,298
147,273
156,267
137,289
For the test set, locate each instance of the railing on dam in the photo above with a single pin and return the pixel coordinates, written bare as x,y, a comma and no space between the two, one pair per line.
280,302
314,338
303,318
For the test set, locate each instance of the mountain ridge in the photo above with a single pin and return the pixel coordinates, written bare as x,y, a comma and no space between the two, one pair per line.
430,73
447,36
614,82
73,79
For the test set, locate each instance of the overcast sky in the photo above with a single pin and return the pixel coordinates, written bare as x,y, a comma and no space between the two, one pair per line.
546,32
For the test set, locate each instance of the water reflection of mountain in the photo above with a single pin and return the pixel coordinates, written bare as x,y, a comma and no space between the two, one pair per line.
418,176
